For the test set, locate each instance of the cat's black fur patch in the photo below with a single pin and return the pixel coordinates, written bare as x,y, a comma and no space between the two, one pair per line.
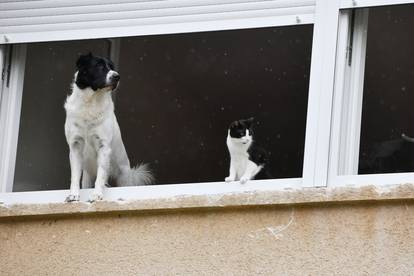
257,154
92,71
260,156
238,128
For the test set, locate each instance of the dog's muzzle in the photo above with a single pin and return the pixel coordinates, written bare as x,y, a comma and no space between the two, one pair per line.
114,80
115,77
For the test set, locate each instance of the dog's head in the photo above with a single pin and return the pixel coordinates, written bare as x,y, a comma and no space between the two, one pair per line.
95,72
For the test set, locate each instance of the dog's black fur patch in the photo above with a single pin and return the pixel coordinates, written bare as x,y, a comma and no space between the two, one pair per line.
92,71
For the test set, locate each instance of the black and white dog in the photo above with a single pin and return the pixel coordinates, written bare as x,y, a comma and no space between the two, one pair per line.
97,152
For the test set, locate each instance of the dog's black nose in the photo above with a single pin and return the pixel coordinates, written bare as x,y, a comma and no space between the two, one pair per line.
115,77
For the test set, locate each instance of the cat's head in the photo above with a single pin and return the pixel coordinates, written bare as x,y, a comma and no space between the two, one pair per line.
241,131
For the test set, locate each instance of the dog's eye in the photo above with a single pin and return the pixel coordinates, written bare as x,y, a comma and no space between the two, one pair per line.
100,67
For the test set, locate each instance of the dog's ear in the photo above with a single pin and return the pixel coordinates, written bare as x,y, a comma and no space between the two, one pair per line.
83,60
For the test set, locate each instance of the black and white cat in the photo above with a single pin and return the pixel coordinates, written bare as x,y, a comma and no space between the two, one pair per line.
247,161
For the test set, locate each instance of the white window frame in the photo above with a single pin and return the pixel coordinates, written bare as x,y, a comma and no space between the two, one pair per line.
347,107
324,115
10,105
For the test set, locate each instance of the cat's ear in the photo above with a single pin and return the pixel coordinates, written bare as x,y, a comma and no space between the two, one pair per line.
250,121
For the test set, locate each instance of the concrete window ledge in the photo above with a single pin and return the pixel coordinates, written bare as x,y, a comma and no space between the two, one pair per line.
301,196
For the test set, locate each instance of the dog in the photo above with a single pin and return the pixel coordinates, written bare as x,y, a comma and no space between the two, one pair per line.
96,150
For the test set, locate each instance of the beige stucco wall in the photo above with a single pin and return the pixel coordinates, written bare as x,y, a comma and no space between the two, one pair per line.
325,239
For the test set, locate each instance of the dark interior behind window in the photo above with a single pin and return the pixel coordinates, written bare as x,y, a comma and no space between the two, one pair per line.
178,94
42,160
387,111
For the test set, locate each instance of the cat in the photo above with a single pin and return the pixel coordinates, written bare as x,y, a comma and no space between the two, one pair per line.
247,160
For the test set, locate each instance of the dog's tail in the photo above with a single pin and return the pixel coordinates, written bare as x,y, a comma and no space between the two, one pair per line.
138,176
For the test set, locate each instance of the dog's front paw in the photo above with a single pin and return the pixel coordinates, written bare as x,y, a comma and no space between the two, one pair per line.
72,197
244,180
229,179
96,196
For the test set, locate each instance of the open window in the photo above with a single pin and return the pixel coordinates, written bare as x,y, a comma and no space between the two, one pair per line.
188,70
178,95
372,127
328,83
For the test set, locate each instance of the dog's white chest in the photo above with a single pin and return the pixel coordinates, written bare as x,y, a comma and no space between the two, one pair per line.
89,115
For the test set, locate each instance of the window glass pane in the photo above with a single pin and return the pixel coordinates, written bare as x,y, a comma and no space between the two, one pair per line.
180,93
42,161
388,99
177,97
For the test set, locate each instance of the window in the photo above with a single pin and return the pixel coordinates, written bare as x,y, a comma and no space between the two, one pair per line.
387,101
178,95
327,81
181,23
42,152
374,78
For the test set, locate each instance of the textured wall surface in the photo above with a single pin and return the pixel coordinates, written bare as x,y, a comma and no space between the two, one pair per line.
369,239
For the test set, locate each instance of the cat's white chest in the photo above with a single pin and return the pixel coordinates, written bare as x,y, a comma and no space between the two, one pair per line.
240,164
239,157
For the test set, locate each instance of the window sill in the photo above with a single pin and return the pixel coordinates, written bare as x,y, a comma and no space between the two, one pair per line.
287,196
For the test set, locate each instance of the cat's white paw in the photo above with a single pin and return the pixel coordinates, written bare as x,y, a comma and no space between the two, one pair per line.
96,196
244,180
72,197
229,179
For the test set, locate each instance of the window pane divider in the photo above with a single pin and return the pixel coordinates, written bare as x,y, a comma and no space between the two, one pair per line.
349,85
318,123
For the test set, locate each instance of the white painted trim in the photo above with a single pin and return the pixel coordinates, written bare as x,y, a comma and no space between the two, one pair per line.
155,191
372,179
114,15
340,86
10,118
349,85
34,21
321,93
353,96
65,7
348,4
172,28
